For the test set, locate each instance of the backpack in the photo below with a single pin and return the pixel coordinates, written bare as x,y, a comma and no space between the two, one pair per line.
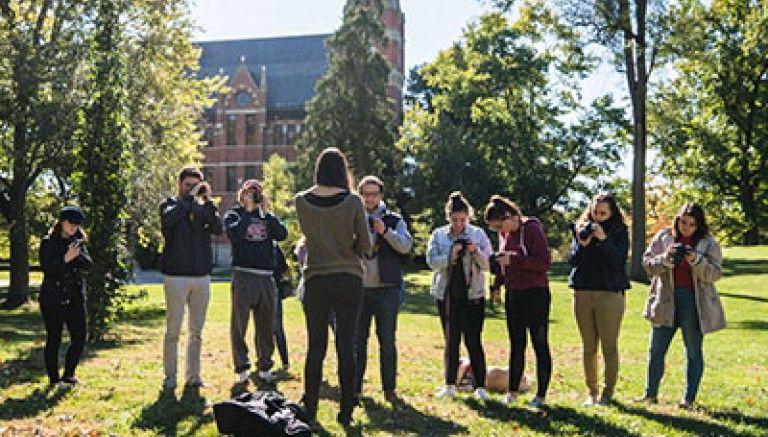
261,413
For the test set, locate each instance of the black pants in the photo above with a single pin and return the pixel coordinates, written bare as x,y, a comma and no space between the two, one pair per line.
55,315
529,310
463,317
340,293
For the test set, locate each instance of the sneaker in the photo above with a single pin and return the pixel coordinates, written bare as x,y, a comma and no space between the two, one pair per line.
685,404
647,400
344,419
591,401
242,377
286,367
266,376
63,385
449,391
71,380
537,403
510,398
481,394
390,396
605,399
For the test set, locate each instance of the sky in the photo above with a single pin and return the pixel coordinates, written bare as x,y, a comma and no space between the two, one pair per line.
430,25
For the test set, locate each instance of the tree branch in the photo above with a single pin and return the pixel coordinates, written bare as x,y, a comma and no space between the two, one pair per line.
40,22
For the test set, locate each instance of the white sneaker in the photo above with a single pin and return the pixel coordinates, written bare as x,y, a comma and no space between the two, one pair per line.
537,403
266,376
510,398
482,394
589,402
242,377
449,391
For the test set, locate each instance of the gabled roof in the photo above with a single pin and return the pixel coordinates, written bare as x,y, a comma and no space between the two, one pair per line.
294,64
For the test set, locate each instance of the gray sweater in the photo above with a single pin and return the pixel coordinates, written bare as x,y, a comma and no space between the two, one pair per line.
337,237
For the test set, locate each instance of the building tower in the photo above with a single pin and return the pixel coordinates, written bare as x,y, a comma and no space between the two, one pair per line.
394,50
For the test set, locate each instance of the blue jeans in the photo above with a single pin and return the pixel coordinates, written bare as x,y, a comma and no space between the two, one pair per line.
687,319
381,304
280,340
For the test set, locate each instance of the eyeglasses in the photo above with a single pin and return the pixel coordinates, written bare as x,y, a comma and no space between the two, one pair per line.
370,193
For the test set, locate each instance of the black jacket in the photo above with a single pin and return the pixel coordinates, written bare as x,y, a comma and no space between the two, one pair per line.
187,227
601,265
252,237
62,280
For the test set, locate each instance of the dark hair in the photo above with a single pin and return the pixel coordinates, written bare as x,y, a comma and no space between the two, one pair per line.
458,203
56,230
370,179
697,212
190,172
616,221
499,208
332,169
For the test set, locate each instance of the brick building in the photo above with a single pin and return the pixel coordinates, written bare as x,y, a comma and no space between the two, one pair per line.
270,81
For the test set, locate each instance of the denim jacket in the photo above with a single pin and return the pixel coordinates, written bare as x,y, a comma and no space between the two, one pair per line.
475,265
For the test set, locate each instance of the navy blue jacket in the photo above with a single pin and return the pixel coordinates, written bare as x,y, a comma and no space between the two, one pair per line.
601,265
252,237
187,227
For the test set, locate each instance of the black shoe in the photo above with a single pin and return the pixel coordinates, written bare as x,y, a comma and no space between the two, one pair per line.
391,396
344,419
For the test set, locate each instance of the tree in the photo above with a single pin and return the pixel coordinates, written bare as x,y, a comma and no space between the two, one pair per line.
350,109
279,180
42,48
102,170
711,119
634,32
499,112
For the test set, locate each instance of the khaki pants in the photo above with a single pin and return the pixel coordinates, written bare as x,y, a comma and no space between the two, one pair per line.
192,292
598,315
252,293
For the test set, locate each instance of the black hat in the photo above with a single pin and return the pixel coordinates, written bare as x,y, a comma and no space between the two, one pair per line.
72,214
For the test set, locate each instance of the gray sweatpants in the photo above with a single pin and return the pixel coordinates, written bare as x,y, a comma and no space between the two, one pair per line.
252,292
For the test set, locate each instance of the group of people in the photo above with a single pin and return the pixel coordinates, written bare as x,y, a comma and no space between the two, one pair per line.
351,258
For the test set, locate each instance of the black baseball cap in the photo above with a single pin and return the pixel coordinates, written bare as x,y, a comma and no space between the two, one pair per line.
72,214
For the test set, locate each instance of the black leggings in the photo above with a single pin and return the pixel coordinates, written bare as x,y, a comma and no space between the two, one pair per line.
55,315
465,318
529,309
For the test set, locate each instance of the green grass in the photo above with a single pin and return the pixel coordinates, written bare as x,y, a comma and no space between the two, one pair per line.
123,375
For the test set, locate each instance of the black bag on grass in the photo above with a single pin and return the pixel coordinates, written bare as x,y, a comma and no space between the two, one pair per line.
261,413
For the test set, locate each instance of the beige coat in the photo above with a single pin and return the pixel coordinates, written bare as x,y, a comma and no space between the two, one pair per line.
706,269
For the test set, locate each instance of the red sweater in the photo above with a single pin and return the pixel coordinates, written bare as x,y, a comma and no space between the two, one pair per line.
683,275
528,268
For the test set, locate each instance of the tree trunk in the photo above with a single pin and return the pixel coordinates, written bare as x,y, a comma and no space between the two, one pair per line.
636,270
19,239
751,235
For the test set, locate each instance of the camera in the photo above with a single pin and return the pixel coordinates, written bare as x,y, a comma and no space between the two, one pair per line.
464,242
75,242
258,197
494,263
584,233
679,254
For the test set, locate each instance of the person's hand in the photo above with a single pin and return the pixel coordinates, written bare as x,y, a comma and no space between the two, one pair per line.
598,232
201,191
379,227
73,251
471,246
690,255
455,251
670,253
584,242
504,259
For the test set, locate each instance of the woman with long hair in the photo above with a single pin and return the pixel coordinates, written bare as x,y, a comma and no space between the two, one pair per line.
337,238
64,259
684,262
521,266
599,279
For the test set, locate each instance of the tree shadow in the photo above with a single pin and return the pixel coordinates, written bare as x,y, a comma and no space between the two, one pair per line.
744,296
40,399
164,415
737,416
549,420
402,417
751,325
680,423
743,266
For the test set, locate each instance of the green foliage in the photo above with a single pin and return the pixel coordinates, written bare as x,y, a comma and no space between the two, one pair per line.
499,112
711,119
279,180
350,109
103,169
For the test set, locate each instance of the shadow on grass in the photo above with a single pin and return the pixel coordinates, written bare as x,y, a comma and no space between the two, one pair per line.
741,266
551,422
751,325
165,414
683,424
745,296
40,399
401,417
738,417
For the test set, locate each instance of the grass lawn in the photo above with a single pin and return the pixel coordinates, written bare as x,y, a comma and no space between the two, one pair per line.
123,375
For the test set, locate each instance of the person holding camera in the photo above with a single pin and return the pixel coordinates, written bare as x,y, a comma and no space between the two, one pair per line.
337,238
381,284
521,266
599,279
187,222
64,258
458,255
684,262
252,230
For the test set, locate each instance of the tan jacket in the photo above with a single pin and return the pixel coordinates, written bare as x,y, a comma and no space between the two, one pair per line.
706,269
